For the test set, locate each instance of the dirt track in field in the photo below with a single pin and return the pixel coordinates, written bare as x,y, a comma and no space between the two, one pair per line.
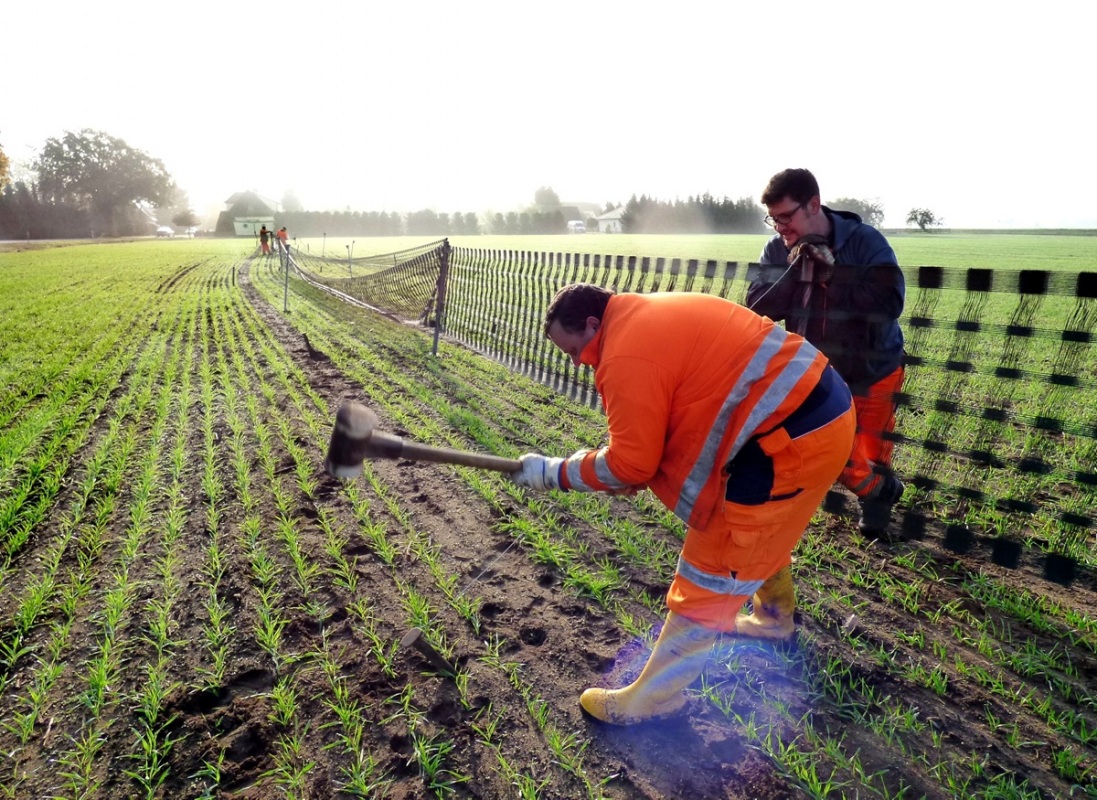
564,643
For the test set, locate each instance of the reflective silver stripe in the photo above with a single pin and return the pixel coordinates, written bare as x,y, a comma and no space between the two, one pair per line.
605,474
775,393
575,479
717,583
791,375
601,470
861,486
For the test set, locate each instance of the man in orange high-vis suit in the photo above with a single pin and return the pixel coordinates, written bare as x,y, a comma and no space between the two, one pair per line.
738,426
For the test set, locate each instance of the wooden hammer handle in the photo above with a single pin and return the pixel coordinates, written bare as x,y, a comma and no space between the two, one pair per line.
385,445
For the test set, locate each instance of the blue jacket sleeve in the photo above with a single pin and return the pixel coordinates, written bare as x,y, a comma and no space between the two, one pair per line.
771,292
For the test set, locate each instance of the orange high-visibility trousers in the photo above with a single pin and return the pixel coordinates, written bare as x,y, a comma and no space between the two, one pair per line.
722,567
875,417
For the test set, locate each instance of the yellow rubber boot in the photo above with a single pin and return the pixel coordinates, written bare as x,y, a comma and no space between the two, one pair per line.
677,659
774,605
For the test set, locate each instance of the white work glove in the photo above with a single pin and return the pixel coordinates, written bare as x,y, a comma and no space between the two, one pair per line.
538,472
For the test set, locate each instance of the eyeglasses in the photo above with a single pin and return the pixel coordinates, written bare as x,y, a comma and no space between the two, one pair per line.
783,219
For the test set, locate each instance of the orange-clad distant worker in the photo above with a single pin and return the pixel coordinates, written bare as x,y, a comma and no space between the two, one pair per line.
283,238
738,426
264,240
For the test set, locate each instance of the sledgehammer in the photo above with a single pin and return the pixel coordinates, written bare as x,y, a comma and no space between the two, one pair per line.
356,438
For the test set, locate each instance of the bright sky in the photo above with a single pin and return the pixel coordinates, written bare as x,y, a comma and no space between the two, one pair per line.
976,109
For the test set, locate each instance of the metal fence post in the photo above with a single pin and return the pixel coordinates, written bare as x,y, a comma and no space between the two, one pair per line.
440,305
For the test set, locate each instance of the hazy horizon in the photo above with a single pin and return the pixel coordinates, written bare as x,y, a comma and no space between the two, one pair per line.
965,109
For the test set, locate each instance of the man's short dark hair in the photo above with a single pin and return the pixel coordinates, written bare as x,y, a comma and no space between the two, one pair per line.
798,185
574,303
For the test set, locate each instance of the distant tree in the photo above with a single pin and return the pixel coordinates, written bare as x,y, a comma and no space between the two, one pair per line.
923,218
466,224
176,207
104,176
290,203
870,211
546,198
5,170
424,223
704,214
185,219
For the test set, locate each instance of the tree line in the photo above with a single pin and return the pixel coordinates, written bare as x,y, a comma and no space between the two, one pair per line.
90,184
370,223
702,214
416,223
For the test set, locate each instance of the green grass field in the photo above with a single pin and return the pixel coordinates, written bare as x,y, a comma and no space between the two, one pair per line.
995,250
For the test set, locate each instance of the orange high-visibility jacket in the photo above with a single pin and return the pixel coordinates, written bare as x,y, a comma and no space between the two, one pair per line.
686,380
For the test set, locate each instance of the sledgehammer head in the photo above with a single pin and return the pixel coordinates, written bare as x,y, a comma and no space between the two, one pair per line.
350,440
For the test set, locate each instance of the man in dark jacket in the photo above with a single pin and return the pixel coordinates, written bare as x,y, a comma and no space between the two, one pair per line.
836,281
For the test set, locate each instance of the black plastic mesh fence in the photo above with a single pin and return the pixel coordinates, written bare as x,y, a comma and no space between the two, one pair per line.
997,424
403,284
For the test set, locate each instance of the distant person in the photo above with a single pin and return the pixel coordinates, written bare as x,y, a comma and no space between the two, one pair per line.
737,426
283,239
836,281
264,240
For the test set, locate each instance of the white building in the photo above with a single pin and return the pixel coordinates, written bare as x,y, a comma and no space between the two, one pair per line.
610,222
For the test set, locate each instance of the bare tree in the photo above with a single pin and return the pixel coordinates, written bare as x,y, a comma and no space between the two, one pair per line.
923,218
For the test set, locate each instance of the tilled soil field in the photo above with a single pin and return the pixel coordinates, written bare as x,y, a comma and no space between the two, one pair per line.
197,610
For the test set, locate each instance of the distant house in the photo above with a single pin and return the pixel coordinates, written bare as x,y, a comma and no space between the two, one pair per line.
610,222
245,213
